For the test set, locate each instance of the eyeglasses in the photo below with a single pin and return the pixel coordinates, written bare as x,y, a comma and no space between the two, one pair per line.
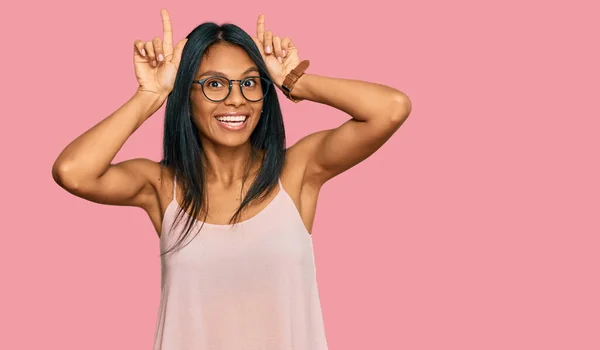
217,88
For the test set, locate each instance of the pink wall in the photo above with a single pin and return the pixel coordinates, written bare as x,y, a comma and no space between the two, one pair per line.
475,227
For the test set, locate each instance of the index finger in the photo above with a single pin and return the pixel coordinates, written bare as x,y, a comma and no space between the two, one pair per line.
260,28
167,32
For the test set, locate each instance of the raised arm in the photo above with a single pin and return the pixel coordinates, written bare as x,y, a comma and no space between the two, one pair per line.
377,111
85,168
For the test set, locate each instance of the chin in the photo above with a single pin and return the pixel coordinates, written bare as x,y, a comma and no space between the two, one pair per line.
232,142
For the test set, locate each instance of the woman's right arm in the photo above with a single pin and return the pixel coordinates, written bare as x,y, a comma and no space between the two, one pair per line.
84,167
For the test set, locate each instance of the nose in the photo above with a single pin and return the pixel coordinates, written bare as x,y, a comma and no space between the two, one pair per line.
235,98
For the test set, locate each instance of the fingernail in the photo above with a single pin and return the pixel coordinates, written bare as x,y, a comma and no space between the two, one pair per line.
283,52
280,60
154,63
268,49
160,57
143,52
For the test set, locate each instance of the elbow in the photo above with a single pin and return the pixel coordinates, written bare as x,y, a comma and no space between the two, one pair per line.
63,176
401,108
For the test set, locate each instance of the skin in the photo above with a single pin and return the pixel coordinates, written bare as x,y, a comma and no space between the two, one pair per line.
234,63
85,168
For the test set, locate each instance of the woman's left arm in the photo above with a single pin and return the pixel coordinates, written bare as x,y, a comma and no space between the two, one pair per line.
377,111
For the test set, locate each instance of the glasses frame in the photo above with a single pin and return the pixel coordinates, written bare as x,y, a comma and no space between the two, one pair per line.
231,81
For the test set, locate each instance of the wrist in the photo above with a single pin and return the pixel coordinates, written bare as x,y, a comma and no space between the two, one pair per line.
302,89
148,103
291,80
151,94
150,97
278,81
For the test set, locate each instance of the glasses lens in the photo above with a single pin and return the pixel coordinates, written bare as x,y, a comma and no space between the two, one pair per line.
254,88
216,88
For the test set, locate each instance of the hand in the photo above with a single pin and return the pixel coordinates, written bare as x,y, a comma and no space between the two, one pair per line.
156,62
280,55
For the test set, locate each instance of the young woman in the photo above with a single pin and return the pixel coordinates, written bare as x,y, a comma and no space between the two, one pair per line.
233,207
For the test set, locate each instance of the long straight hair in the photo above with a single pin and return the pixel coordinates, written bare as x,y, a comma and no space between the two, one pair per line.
182,149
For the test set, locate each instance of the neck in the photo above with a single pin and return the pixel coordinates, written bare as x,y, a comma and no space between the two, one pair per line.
228,165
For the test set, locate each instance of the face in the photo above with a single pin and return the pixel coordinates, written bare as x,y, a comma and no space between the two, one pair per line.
229,122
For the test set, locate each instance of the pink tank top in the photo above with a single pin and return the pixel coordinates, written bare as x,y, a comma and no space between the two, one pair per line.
251,286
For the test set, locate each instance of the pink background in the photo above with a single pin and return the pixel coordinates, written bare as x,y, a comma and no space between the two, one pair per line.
475,227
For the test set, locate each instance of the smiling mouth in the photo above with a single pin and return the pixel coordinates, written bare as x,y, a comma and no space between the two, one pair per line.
232,121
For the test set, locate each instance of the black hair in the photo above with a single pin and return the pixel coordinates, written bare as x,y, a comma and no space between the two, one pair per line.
182,149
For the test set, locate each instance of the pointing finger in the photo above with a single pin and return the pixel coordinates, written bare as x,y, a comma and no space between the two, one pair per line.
167,32
260,28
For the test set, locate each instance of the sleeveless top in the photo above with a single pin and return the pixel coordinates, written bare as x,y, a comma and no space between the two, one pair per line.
249,286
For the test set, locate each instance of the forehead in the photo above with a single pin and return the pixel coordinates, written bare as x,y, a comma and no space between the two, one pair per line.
229,59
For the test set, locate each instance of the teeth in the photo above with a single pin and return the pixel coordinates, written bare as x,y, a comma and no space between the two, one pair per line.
237,118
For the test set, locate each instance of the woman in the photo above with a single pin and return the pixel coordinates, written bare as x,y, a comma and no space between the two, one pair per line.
232,206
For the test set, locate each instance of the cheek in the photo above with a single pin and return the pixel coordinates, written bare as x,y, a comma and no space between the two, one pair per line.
257,109
201,112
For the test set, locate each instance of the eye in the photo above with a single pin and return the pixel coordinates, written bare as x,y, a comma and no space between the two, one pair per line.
215,83
249,82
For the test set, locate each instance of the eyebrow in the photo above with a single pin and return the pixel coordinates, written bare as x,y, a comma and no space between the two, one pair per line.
213,72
